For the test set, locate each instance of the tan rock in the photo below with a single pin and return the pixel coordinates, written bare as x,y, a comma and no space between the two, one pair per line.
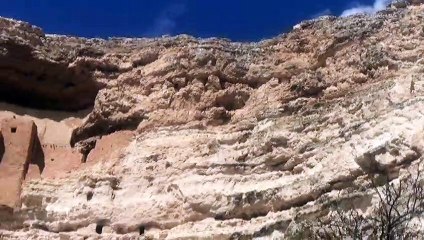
185,138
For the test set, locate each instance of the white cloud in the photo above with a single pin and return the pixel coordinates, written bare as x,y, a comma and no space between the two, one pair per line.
322,13
166,22
377,6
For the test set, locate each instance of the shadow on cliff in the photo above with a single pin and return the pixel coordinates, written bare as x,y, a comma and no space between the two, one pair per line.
33,81
38,157
2,148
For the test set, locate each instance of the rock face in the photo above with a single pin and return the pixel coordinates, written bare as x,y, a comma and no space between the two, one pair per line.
19,138
182,138
36,74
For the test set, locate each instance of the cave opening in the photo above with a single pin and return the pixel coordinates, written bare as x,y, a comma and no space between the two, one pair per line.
141,230
48,95
99,228
69,85
29,81
89,196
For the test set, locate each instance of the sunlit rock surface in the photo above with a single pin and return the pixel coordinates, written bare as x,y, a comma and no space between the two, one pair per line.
182,138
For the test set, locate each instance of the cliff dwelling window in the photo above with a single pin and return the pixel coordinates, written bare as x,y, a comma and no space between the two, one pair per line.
13,130
89,196
41,78
69,85
99,229
141,230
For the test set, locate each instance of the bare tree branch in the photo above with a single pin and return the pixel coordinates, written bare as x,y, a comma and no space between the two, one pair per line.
398,204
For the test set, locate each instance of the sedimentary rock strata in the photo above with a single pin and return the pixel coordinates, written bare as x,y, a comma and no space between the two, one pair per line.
181,138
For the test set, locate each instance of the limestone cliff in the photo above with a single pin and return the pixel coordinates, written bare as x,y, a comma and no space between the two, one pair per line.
182,138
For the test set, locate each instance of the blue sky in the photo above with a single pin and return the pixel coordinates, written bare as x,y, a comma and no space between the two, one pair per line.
239,20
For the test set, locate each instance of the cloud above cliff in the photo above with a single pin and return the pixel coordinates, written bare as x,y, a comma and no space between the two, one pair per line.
367,9
322,13
166,21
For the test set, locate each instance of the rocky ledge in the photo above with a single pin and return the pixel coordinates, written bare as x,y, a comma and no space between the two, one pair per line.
182,138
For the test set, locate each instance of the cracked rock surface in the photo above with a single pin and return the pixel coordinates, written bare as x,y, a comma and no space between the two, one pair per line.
231,140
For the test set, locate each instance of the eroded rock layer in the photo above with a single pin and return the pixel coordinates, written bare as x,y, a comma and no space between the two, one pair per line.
186,138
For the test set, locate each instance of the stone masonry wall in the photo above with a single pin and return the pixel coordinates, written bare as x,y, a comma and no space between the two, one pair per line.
19,137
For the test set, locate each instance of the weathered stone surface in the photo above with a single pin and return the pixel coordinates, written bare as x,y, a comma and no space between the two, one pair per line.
19,138
33,73
205,138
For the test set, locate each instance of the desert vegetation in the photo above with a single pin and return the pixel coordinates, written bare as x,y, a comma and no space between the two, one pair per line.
396,215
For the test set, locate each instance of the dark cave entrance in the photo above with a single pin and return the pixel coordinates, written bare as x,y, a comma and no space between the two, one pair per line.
141,230
30,81
48,95
99,228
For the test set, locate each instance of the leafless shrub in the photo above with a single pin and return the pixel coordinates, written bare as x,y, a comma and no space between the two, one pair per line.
398,204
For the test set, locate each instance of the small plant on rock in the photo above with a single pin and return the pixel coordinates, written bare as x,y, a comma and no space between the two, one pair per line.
399,205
